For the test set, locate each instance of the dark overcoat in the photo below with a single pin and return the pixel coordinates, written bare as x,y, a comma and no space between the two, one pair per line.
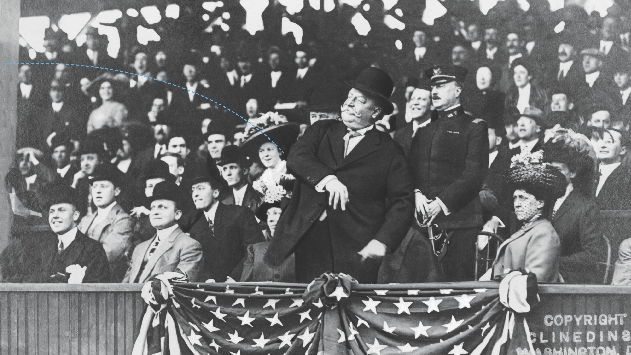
379,185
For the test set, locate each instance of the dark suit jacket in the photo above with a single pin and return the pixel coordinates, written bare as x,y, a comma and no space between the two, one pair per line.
235,229
82,251
496,182
66,121
379,185
282,91
184,109
251,199
140,98
538,97
69,177
615,193
574,75
449,159
577,223
404,137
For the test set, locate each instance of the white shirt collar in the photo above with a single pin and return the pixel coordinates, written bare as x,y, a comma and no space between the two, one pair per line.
560,200
63,171
275,77
361,131
67,237
163,234
123,165
419,52
527,147
625,94
57,106
565,66
605,46
26,89
416,125
524,90
300,73
591,78
605,170
523,100
240,193
210,214
529,46
476,45
102,213
492,156
192,86
513,145
490,53
30,180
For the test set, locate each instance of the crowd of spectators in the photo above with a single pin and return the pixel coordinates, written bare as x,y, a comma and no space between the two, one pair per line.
176,113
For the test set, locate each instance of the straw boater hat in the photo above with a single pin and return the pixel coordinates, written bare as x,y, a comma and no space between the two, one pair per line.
529,172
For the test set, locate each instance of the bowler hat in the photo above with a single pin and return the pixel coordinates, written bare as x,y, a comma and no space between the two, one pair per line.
327,97
61,139
167,190
156,169
232,155
446,73
378,84
208,172
89,146
60,192
107,172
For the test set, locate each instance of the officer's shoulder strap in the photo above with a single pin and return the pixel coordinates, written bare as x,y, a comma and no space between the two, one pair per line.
478,120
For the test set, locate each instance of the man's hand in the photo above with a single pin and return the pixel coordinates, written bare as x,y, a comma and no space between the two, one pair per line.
78,176
433,209
337,194
421,203
139,211
374,249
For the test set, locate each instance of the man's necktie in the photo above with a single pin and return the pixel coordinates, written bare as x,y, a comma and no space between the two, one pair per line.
211,225
560,75
351,135
152,248
60,247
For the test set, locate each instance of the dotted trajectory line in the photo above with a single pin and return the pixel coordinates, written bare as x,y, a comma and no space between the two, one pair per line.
228,109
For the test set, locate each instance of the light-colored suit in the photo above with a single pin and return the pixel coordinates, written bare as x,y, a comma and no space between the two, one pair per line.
177,251
535,248
114,233
622,271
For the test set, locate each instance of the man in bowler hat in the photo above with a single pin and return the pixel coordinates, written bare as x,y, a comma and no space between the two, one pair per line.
71,247
170,250
353,199
449,159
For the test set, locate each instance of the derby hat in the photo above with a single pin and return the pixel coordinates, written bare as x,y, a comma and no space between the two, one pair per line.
377,84
446,73
167,190
90,146
107,172
156,169
233,155
208,172
61,139
59,192
593,52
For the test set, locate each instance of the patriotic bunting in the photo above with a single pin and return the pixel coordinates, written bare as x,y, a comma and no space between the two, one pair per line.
333,315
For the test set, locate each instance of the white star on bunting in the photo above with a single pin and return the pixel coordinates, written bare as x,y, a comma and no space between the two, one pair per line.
288,291
194,338
214,345
371,305
306,337
432,304
388,329
318,304
298,302
464,301
407,348
211,298
194,326
403,306
342,336
257,292
246,319
286,339
480,290
353,332
195,305
260,342
413,292
420,330
375,347
240,301
381,292
271,303
305,315
237,353
235,338
445,291
274,320
219,315
453,324
228,290
361,321
486,327
458,350
339,293
211,328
